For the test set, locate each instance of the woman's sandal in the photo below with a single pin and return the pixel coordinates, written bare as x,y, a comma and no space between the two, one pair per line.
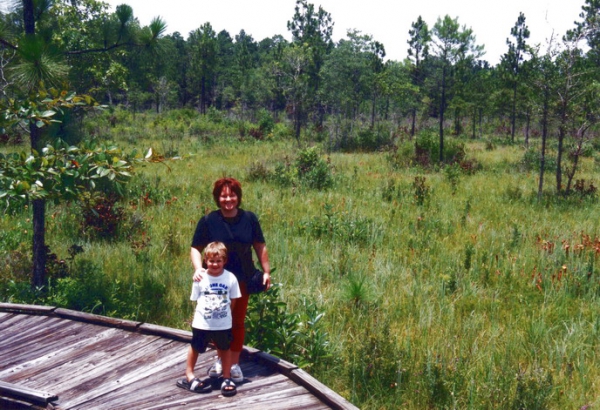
228,388
195,385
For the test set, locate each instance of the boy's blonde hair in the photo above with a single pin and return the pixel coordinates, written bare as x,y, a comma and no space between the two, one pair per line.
215,249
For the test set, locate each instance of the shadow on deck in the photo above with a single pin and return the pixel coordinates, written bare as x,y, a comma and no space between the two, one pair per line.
53,358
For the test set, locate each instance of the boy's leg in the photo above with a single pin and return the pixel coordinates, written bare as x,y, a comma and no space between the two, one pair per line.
225,356
222,340
192,358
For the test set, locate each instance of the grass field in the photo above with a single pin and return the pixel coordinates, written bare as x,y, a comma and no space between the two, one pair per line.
438,288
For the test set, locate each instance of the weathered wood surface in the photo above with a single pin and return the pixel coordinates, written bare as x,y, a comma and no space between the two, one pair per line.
95,362
27,394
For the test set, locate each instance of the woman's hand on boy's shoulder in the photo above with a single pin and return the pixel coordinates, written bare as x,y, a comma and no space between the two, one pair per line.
198,274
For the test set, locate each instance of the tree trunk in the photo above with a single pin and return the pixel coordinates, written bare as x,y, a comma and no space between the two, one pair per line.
527,128
38,205
480,122
580,140
202,95
413,123
559,155
442,107
39,223
373,102
562,130
474,124
544,138
39,243
28,17
457,122
297,122
513,114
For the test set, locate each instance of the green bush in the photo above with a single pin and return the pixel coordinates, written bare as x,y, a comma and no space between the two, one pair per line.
427,149
298,338
531,161
313,171
265,121
281,131
401,155
363,138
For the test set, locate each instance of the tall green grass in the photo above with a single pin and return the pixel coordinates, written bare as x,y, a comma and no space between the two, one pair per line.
440,289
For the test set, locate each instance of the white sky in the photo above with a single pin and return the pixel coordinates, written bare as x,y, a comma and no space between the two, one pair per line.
387,21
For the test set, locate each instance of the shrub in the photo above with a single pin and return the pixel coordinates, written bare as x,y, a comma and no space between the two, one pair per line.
531,161
284,174
453,172
101,216
265,121
313,171
281,131
298,338
421,190
427,149
401,155
258,171
585,191
364,138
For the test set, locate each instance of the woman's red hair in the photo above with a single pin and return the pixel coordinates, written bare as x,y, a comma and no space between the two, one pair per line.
232,184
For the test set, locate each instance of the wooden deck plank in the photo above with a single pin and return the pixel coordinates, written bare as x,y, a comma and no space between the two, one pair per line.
34,351
112,379
4,316
93,362
10,319
160,383
165,380
44,358
269,390
35,396
329,396
93,366
34,330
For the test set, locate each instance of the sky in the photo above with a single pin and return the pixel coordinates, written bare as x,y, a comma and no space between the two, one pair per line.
387,21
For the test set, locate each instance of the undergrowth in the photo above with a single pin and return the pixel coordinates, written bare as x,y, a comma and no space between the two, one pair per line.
401,282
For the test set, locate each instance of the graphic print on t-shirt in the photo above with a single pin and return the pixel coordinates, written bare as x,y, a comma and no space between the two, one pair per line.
215,303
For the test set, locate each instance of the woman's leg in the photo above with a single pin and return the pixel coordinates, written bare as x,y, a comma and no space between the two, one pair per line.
238,328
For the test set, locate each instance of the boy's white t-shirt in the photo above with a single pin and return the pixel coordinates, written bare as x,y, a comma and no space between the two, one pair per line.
214,294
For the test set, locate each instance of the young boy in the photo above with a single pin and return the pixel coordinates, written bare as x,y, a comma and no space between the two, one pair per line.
216,294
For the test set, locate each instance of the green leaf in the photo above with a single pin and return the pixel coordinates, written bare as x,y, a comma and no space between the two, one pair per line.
103,171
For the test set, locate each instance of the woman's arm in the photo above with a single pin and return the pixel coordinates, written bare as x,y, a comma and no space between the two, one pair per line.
196,257
263,257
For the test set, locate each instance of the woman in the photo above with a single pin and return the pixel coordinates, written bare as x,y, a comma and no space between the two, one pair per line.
240,231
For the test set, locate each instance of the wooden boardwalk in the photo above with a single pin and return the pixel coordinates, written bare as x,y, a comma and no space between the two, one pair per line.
53,358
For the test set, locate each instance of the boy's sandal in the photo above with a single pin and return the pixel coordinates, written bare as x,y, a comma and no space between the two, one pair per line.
228,388
195,385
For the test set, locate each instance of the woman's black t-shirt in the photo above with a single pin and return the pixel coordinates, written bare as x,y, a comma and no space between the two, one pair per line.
237,233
